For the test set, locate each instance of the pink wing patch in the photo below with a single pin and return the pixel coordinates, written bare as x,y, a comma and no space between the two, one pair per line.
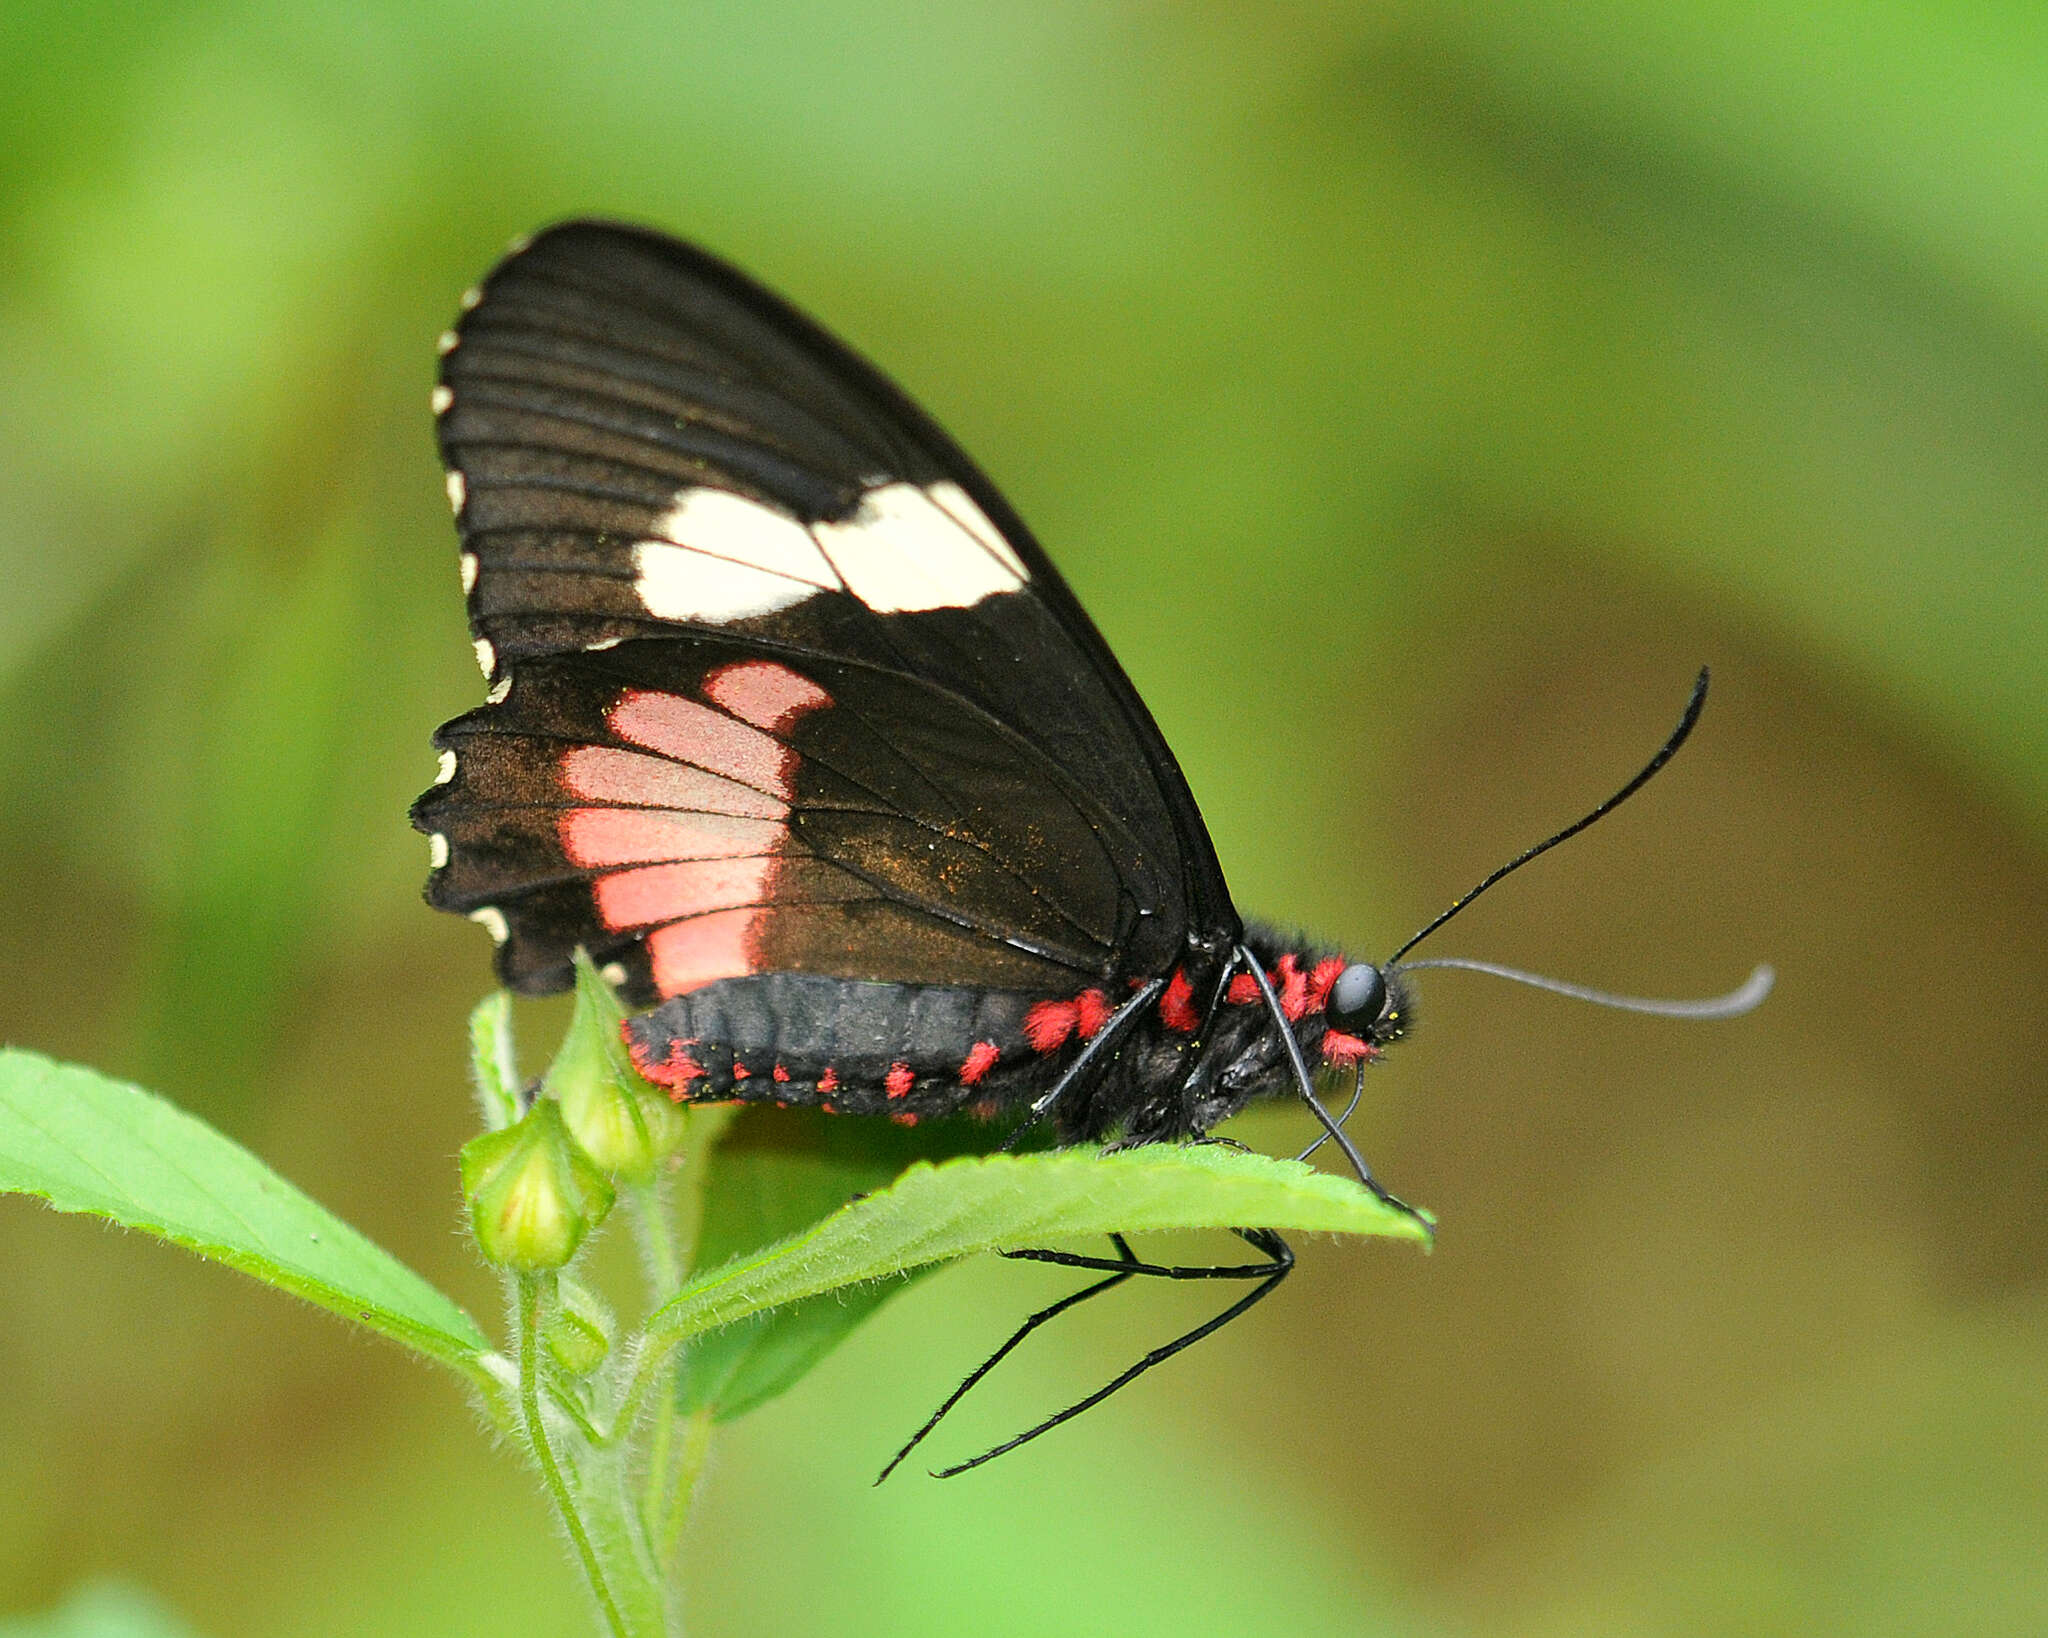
708,739
616,836
763,693
699,814
669,892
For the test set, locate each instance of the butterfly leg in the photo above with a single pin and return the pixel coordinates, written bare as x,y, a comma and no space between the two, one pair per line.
1098,1045
1124,1267
1279,1261
1305,1084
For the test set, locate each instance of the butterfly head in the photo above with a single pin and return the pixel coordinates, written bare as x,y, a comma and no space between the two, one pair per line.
1367,1003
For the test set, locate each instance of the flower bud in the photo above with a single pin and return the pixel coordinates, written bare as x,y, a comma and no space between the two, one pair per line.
622,1122
533,1195
579,1331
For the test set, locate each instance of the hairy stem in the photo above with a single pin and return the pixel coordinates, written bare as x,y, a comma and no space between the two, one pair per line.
544,1456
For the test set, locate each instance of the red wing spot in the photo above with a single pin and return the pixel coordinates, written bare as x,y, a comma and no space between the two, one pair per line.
829,1082
1243,991
688,953
1177,1005
699,737
610,776
898,1081
904,1119
1321,981
981,1058
1050,1024
652,894
763,693
740,1071
828,1109
1091,1012
985,1109
1342,1049
781,1074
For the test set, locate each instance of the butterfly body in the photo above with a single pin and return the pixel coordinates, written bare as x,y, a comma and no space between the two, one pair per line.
794,727
914,1051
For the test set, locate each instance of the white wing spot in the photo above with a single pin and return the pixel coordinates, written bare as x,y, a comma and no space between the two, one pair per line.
458,492
437,849
486,656
731,526
902,551
676,583
613,972
959,505
492,920
602,644
501,690
441,397
471,297
468,566
446,342
447,768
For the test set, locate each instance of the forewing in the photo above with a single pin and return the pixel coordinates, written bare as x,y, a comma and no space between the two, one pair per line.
658,469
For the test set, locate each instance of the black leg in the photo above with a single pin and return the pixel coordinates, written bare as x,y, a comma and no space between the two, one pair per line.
1126,1265
1305,1084
1104,1038
1279,1262
1357,1092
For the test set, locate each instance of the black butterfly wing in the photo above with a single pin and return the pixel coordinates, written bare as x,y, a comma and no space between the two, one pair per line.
779,680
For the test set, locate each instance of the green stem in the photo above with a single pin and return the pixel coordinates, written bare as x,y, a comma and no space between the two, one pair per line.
544,1456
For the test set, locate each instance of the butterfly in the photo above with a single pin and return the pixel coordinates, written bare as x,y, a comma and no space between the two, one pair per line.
793,726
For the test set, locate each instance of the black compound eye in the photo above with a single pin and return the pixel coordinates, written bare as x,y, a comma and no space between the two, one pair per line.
1357,999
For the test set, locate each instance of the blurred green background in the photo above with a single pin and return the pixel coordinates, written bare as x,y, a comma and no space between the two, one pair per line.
1416,393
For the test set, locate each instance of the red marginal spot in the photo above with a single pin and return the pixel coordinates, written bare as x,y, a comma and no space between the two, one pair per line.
829,1082
1339,1048
1177,1005
1091,1012
985,1109
898,1081
1243,991
828,1109
1050,1024
781,1074
740,1071
981,1058
1292,986
904,1119
1322,980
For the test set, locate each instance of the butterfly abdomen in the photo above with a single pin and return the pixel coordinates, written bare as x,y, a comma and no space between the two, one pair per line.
862,1048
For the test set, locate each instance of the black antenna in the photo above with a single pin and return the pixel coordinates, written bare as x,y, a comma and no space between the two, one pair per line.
1678,737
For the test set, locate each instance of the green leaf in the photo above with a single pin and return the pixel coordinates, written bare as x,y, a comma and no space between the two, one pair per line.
99,1609
935,1214
86,1143
778,1172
